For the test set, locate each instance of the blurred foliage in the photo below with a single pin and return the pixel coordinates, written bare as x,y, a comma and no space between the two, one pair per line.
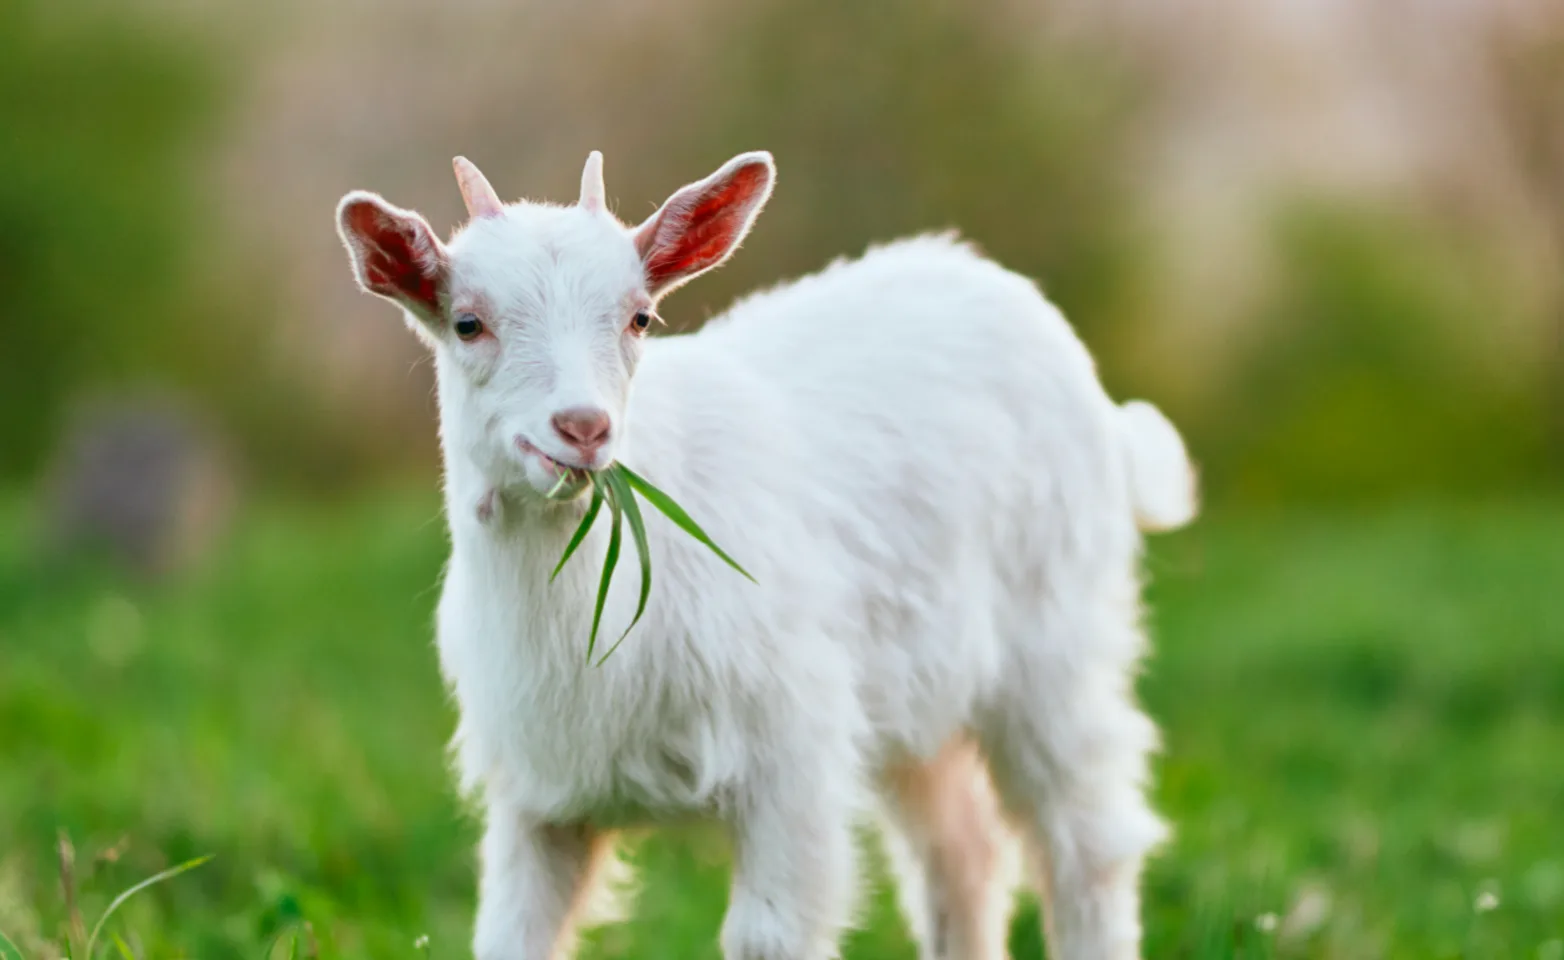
1378,367
931,116
1382,359
96,214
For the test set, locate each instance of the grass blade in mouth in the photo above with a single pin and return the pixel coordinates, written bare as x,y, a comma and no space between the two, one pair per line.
601,484
618,485
625,497
560,484
676,513
581,531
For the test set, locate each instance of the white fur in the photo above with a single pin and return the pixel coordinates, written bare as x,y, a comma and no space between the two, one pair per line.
1162,481
912,454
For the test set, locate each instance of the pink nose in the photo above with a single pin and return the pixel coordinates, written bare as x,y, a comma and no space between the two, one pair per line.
585,428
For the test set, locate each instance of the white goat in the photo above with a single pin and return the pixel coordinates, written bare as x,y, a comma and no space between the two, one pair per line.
913,456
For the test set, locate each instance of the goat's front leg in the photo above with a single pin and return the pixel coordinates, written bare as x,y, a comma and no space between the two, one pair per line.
794,871
535,879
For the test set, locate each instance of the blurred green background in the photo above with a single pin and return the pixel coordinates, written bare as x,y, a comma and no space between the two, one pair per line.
1325,237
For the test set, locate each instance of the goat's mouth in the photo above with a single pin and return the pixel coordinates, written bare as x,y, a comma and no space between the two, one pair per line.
569,481
565,481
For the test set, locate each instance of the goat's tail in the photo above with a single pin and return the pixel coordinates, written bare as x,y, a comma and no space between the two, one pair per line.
1161,476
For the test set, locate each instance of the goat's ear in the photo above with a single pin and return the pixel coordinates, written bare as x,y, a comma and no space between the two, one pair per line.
702,224
395,253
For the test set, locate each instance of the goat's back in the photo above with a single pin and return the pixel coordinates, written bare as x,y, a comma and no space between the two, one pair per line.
906,450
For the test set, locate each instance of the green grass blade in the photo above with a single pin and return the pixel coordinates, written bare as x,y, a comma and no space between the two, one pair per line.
564,478
676,513
608,563
123,948
581,531
8,949
119,901
625,497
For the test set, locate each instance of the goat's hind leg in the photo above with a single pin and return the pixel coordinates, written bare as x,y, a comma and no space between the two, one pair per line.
1068,749
952,853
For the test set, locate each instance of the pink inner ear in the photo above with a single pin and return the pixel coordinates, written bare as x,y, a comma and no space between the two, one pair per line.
692,240
398,261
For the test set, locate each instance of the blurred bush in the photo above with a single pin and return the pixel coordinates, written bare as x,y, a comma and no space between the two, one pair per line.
931,115
1384,362
97,162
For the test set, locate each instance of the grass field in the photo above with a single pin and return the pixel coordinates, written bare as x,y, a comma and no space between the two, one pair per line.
1363,716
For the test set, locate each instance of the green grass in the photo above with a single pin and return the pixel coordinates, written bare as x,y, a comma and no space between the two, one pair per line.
1364,711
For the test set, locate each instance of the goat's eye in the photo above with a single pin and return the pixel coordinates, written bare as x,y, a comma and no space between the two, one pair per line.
641,321
468,326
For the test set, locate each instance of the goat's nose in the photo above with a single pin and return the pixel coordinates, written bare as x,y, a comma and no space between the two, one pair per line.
585,428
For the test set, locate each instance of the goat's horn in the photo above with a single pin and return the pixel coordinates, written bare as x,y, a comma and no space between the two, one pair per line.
481,199
593,196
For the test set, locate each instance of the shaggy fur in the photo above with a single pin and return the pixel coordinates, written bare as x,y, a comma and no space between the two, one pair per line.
911,453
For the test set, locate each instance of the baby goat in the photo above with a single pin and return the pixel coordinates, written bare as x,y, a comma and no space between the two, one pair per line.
911,453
